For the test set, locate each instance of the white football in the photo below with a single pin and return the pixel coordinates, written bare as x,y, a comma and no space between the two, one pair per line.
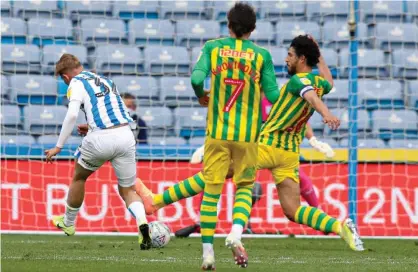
160,234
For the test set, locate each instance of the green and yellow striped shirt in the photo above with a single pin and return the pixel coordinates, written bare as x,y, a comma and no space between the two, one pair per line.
286,124
238,69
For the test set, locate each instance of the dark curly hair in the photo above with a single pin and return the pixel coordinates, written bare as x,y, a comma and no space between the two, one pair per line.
241,19
305,46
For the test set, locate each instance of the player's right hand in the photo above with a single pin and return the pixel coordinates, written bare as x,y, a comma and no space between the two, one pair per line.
82,129
204,100
332,121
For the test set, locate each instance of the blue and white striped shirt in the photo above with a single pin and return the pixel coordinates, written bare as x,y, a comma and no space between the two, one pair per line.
100,100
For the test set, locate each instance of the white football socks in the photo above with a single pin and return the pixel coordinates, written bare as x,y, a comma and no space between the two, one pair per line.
70,215
208,250
236,231
138,211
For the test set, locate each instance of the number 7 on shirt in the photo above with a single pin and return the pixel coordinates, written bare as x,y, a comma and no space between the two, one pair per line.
238,90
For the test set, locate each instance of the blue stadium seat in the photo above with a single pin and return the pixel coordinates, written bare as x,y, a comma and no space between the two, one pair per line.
192,33
336,35
263,35
151,32
42,120
159,120
36,9
412,9
331,58
102,31
395,124
144,88
316,123
178,10
50,31
10,120
197,141
405,63
407,144
127,10
283,10
52,140
338,97
364,143
6,9
381,94
167,60
190,122
20,58
327,11
371,63
5,87
52,53
119,59
413,94
163,141
78,10
381,11
278,55
287,31
17,140
221,8
363,125
34,89
13,30
177,91
391,36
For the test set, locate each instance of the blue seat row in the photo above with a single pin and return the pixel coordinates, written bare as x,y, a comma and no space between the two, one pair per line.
370,12
175,60
95,31
191,122
177,91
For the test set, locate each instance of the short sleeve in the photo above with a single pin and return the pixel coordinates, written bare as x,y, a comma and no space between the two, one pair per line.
76,91
326,86
299,85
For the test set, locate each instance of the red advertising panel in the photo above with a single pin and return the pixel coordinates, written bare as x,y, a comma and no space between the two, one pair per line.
32,192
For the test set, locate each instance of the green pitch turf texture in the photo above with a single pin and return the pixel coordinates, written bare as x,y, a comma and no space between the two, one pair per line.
102,253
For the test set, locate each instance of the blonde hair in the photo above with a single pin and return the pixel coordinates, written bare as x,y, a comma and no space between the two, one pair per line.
66,62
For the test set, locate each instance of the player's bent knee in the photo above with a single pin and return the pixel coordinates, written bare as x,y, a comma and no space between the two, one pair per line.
127,182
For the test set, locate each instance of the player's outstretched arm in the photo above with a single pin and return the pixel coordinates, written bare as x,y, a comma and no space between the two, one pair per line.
67,128
332,121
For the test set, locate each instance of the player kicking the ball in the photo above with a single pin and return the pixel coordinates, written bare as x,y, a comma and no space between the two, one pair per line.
278,148
109,138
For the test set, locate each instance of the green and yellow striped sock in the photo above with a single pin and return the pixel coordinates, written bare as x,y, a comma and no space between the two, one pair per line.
208,211
317,219
187,188
242,205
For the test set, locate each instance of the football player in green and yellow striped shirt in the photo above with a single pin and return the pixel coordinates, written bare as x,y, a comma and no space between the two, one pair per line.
238,69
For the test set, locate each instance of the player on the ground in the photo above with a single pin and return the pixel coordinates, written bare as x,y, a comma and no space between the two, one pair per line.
279,144
239,69
109,139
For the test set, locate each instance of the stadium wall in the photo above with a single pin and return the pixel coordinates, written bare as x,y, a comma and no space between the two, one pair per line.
31,192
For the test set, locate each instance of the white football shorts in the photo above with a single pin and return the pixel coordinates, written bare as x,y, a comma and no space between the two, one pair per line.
115,145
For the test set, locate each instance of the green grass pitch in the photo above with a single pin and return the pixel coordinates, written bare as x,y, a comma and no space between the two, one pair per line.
103,253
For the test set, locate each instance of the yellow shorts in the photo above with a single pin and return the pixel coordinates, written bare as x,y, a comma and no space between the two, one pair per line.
282,164
218,156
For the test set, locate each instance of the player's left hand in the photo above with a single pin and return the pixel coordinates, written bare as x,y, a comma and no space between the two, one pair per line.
322,147
204,100
51,153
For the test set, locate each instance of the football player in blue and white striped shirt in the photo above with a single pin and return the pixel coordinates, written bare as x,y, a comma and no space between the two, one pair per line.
109,138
